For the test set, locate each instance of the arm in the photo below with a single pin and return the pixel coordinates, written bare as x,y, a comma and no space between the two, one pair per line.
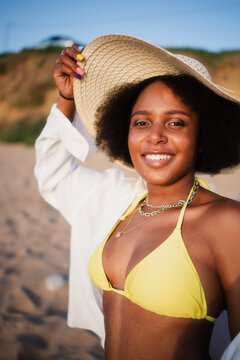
60,178
65,70
228,262
64,183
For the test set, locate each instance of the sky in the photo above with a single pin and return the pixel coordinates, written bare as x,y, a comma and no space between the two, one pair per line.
213,25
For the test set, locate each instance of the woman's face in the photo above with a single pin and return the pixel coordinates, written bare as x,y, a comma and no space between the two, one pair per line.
162,136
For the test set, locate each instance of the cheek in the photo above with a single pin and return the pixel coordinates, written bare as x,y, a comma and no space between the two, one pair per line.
132,142
135,148
187,143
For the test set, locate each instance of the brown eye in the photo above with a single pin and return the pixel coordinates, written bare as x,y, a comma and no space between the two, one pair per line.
141,123
177,123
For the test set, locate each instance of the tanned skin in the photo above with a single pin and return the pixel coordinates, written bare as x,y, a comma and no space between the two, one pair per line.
210,231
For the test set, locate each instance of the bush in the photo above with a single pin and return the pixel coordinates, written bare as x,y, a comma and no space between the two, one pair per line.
25,130
3,68
33,97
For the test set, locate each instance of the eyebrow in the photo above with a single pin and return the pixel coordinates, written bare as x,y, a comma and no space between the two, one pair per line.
170,112
140,112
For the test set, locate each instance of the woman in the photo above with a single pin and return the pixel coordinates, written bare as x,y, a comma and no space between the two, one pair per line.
162,252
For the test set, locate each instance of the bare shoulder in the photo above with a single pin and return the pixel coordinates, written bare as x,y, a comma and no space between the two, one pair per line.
220,219
220,210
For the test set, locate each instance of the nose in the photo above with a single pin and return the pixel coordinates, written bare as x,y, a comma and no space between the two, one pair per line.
158,135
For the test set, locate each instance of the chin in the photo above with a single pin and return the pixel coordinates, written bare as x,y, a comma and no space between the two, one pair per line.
164,177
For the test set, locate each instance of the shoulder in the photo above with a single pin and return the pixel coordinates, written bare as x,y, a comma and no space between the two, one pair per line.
219,218
221,227
219,210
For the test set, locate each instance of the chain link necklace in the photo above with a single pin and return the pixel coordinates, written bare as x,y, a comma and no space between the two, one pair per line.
160,208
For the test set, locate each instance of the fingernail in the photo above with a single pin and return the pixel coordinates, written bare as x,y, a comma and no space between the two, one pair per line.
80,57
80,47
80,71
78,76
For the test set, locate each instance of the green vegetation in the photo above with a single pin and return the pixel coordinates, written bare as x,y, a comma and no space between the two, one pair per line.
34,97
26,80
47,50
25,131
3,68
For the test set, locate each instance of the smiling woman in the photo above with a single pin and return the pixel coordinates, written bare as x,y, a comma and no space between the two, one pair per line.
154,259
162,136
217,117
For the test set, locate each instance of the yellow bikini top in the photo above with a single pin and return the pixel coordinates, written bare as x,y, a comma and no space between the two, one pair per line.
165,281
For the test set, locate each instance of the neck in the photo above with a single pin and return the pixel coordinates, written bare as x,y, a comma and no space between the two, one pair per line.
168,193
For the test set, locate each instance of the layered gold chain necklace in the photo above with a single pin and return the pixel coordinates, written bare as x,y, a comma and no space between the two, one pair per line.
159,210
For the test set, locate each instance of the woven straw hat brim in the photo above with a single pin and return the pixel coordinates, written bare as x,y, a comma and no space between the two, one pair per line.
115,60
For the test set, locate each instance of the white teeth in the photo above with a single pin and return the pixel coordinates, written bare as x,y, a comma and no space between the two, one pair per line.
158,156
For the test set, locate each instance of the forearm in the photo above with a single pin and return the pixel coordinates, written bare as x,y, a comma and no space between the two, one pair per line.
67,107
65,71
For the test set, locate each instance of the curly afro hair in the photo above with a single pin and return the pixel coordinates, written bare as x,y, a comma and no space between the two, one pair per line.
219,122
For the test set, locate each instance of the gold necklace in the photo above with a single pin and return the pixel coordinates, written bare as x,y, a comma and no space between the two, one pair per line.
160,208
120,233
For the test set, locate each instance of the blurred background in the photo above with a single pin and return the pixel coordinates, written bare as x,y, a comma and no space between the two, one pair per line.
34,239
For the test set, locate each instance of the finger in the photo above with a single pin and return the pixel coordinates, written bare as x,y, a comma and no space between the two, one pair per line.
73,53
72,64
78,47
64,69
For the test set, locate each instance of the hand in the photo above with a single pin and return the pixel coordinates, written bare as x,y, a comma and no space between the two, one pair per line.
66,69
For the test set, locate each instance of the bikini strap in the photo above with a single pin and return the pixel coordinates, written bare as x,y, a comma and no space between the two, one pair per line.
181,216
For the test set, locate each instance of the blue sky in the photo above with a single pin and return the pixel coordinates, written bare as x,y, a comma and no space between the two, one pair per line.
209,24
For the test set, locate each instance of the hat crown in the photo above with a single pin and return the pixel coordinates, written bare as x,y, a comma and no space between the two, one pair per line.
195,65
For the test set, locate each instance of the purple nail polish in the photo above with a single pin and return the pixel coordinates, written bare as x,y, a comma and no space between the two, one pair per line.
78,76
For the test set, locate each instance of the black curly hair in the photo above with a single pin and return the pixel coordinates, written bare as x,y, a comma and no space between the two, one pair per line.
219,122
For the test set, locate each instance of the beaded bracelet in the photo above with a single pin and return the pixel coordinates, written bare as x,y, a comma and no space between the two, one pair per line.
64,97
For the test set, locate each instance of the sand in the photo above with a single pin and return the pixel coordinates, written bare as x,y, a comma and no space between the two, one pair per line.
34,245
34,258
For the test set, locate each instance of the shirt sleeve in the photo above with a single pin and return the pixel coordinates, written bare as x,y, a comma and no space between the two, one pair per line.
62,181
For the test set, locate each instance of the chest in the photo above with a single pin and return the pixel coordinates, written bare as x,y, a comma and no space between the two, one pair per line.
156,245
140,238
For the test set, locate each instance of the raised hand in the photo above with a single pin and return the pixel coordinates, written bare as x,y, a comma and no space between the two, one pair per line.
66,69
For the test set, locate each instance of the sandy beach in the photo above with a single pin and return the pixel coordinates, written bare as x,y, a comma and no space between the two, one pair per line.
34,253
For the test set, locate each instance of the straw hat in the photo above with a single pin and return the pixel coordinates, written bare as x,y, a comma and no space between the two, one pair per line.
114,60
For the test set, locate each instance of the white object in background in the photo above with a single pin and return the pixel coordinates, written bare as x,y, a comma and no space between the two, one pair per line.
55,281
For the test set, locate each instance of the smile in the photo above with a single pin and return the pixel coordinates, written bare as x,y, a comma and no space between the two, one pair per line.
157,160
158,156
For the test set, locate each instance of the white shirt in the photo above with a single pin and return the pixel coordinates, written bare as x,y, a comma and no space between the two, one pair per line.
92,202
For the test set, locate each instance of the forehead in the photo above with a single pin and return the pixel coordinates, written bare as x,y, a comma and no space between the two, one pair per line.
159,94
